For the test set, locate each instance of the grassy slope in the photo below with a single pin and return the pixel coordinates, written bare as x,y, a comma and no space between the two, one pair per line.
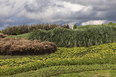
33,73
19,36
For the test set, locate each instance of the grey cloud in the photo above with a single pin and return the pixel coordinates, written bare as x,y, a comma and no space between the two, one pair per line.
111,15
45,11
96,4
5,2
86,2
40,6
33,8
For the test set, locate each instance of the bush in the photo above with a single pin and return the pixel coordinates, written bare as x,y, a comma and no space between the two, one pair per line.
111,23
18,32
1,31
75,26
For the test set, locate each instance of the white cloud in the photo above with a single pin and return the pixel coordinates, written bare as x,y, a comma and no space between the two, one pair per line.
72,7
93,22
86,8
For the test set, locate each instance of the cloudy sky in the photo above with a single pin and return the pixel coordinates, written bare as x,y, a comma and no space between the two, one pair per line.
79,12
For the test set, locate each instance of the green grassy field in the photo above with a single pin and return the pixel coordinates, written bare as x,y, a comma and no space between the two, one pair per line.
93,61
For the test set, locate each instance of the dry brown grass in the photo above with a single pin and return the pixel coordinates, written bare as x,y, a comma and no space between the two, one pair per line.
22,46
2,35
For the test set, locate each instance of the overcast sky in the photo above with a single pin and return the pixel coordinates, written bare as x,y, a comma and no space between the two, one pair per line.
79,12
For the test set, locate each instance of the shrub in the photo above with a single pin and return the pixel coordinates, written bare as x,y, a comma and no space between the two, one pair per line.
111,23
1,31
18,32
75,26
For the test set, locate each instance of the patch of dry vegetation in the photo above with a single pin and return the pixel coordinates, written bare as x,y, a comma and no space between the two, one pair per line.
22,46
